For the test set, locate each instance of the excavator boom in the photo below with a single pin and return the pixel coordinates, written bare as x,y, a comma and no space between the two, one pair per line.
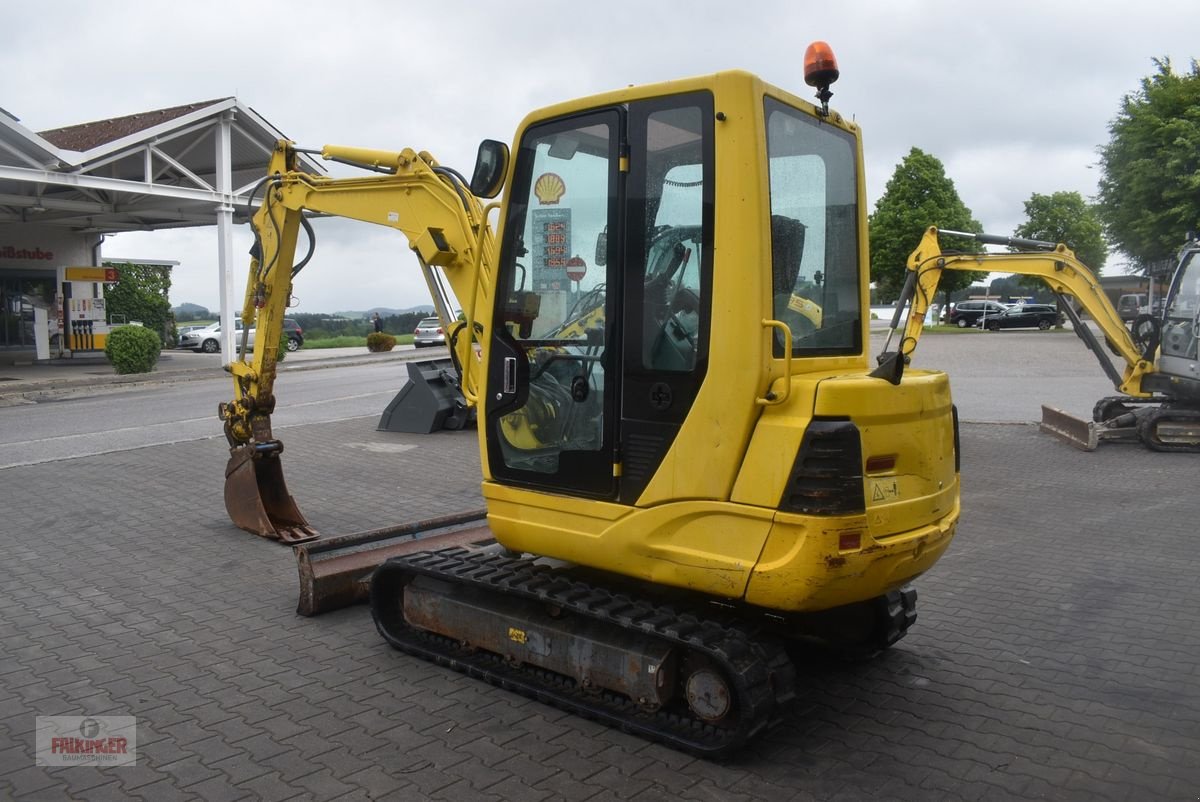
446,227
1141,379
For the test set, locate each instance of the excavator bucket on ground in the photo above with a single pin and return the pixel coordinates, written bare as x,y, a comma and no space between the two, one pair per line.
257,498
429,402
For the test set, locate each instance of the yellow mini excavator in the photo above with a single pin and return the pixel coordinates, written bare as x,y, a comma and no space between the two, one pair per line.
689,464
1160,380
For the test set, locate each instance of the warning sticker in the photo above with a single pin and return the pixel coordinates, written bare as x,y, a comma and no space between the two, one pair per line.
884,490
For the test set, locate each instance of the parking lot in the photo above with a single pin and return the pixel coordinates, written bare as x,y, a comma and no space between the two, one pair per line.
1056,655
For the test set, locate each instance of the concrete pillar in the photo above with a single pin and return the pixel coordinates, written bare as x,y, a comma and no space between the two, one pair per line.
41,333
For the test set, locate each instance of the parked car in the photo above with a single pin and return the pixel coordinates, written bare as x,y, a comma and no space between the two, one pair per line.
968,313
1129,306
295,334
208,339
1024,316
429,332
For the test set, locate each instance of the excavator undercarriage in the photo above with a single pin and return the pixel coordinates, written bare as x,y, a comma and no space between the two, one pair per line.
699,677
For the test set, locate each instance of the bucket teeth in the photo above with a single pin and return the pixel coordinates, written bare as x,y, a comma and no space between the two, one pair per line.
257,498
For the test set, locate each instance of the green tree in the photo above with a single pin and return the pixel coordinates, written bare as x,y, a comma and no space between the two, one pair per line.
1150,180
1066,217
141,294
918,195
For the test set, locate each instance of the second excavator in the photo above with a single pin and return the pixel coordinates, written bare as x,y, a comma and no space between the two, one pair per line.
1159,380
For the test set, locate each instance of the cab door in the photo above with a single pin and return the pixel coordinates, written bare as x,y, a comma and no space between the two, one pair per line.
551,409
606,276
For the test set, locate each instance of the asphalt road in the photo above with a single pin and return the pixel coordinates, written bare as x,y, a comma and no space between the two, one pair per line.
1006,376
1002,377
99,421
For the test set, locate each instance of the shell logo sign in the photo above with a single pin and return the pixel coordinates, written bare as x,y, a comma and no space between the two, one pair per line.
549,189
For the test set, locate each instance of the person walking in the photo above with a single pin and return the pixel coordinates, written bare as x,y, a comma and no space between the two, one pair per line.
377,322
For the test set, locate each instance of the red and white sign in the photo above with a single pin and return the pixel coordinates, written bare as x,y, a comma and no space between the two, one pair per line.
576,268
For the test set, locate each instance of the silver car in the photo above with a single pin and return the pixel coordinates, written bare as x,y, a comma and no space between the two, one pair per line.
429,332
208,339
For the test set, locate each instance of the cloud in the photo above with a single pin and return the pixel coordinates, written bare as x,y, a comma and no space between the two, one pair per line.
1014,98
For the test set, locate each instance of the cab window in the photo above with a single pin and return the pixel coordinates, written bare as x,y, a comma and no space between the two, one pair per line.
814,232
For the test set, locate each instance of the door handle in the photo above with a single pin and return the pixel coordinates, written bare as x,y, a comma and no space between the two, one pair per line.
510,375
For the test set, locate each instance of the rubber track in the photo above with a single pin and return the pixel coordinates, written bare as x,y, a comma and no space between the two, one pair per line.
760,675
1148,434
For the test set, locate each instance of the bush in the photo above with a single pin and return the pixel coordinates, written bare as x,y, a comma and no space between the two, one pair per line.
132,349
283,345
378,341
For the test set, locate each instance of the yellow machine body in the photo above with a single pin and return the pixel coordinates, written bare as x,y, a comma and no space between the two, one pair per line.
737,503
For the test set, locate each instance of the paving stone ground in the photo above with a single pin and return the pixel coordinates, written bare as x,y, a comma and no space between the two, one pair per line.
1056,655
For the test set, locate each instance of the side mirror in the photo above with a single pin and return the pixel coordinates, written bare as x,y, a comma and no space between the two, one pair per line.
490,166
602,248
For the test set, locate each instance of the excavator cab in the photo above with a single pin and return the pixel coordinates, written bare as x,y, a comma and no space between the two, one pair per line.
1180,334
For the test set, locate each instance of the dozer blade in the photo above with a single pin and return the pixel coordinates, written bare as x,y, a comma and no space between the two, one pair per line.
1074,431
257,498
1086,434
336,572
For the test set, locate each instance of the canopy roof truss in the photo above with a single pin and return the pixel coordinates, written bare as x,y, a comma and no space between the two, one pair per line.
159,169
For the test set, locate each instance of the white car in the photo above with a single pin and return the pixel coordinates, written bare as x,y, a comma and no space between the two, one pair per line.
208,339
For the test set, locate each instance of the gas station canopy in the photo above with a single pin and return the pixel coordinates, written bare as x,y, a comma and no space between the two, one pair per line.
62,190
167,168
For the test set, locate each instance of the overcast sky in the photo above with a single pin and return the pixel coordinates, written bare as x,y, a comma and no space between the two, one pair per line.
1013,98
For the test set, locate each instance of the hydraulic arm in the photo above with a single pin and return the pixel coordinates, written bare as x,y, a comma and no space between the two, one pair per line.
1055,264
446,227
1160,399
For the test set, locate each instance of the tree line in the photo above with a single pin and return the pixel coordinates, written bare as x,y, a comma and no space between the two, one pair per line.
1148,202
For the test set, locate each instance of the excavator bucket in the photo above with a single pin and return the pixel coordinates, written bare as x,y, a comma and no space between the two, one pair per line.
429,402
257,498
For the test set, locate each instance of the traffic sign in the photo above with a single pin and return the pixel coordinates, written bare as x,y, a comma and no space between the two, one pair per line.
576,268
